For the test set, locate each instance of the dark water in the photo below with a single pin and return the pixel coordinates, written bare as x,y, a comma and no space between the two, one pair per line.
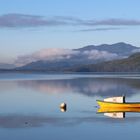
29,107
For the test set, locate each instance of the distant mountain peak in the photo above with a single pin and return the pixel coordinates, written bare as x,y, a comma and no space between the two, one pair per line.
119,47
120,43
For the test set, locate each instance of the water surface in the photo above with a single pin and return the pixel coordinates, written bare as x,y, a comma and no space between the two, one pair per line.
29,106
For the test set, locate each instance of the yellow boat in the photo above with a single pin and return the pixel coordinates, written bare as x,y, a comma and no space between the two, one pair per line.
109,105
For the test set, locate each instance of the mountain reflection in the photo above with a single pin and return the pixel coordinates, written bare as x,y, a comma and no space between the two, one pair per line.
86,86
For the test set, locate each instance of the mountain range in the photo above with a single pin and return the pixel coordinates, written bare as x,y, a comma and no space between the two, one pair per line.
121,48
6,66
118,57
130,64
87,58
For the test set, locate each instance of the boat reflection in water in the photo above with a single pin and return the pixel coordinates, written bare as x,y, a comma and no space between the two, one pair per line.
117,112
116,107
119,115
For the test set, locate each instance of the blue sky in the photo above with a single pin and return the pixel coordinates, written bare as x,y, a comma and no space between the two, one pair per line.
27,26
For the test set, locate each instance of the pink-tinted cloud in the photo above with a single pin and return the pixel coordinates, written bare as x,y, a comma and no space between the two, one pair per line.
24,20
48,54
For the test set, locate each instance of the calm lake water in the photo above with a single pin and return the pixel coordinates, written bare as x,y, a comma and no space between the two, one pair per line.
29,107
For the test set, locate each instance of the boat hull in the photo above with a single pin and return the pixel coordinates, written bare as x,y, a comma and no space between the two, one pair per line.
104,104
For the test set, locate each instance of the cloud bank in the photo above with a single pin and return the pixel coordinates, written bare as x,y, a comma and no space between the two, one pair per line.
57,54
48,54
99,29
96,55
14,20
